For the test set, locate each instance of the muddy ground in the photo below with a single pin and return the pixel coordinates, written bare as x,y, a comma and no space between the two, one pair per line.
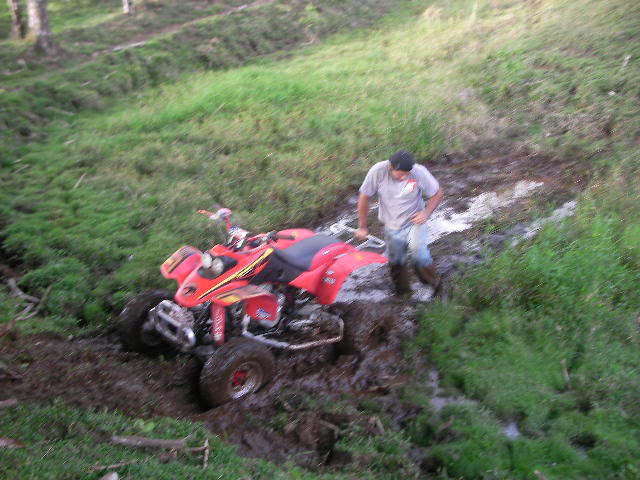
315,394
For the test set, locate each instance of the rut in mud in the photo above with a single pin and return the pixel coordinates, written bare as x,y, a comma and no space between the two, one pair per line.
318,393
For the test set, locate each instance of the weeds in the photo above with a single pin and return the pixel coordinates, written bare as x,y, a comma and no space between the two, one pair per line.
545,334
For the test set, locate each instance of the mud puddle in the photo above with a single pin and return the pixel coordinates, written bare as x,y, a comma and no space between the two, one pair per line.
290,419
317,395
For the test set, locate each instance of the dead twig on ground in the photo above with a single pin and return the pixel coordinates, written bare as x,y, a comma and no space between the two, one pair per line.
174,447
205,456
144,442
11,402
16,292
115,466
79,181
42,301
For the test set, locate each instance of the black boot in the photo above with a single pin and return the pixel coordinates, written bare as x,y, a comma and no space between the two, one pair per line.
400,278
430,276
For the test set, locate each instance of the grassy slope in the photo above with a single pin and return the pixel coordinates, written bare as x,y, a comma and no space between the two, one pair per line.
568,298
484,74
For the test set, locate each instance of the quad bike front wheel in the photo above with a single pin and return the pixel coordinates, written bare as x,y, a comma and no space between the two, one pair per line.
133,324
238,368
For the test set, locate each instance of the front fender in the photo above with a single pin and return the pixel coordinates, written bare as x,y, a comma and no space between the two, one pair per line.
335,275
259,305
181,263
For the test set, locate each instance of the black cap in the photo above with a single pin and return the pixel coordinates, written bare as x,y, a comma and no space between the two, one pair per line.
402,160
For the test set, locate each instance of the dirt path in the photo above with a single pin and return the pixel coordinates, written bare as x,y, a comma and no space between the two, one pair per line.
137,40
143,38
316,394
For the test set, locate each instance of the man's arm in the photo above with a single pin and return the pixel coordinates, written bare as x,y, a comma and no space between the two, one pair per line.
424,214
363,213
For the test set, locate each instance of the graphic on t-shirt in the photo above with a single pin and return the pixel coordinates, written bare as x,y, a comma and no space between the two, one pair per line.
409,187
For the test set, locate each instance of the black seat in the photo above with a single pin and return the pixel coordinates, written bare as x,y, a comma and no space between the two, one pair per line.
301,253
286,264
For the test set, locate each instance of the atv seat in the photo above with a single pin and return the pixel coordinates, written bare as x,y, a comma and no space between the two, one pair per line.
300,254
286,264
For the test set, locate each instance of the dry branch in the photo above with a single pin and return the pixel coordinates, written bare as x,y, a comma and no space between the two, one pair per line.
19,293
24,316
12,402
99,468
143,442
79,181
205,456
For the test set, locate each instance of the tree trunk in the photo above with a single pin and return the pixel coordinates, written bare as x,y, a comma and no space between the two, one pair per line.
128,6
18,29
39,25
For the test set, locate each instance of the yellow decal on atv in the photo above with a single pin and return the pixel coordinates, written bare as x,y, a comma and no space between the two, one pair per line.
239,273
176,259
232,298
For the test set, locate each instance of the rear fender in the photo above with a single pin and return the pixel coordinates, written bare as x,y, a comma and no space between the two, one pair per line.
336,273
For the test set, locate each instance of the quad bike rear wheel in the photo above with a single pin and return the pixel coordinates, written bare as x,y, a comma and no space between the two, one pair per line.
238,368
135,337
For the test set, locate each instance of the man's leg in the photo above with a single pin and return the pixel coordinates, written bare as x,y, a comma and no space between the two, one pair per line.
397,243
422,261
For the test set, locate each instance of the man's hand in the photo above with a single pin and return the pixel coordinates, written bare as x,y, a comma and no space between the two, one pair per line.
361,233
420,217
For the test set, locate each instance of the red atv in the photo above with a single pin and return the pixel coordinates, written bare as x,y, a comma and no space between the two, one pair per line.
238,299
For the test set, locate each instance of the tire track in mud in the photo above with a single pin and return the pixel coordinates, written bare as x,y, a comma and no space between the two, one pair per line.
316,394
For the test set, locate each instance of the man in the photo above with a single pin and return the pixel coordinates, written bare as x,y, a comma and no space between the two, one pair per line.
400,184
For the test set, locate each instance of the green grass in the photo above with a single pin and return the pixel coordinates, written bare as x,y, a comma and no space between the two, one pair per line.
567,299
61,442
282,139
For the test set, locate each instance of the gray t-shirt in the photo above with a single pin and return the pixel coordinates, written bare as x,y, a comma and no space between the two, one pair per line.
398,200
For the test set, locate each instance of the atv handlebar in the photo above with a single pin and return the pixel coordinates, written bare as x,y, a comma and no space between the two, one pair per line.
370,242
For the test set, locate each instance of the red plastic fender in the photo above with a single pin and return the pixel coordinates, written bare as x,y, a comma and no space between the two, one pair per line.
263,308
259,304
179,265
336,273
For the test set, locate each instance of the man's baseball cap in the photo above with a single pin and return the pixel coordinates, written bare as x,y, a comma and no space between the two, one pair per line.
402,160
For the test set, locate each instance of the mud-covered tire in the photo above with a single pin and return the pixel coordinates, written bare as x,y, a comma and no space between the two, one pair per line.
238,368
362,330
132,319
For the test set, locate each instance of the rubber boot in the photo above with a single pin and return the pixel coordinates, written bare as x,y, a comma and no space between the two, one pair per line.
430,276
400,278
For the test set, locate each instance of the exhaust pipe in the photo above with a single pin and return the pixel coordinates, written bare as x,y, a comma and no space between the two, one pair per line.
287,345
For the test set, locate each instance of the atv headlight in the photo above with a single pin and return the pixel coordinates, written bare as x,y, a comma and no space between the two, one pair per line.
217,266
207,260
212,266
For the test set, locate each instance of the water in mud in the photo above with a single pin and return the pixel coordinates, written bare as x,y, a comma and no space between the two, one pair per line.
292,418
